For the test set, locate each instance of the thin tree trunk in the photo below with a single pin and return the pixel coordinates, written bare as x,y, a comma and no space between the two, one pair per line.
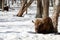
21,2
15,1
23,9
26,7
52,3
12,2
55,16
45,8
24,3
39,9
2,5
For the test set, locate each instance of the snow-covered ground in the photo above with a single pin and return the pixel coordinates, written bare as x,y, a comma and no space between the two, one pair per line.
22,28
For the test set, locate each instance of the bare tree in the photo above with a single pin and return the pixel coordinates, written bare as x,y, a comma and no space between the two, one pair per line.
24,7
24,3
51,2
39,9
42,8
45,8
2,5
56,15
12,2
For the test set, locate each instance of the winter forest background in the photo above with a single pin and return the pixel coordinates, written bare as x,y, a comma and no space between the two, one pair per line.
16,19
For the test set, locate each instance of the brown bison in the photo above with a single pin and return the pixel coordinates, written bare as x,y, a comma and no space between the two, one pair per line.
43,25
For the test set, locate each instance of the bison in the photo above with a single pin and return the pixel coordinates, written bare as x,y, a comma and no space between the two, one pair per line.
43,25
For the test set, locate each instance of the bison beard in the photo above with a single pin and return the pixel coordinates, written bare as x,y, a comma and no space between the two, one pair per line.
44,25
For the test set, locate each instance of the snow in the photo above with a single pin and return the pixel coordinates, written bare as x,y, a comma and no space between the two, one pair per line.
22,28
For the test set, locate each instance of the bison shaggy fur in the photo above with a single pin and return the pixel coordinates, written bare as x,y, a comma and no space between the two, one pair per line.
43,25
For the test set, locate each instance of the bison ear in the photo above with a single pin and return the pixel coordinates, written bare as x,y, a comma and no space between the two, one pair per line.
33,21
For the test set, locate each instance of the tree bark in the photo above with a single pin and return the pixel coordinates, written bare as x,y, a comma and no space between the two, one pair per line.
51,3
12,2
55,16
2,5
45,8
25,2
24,7
39,9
